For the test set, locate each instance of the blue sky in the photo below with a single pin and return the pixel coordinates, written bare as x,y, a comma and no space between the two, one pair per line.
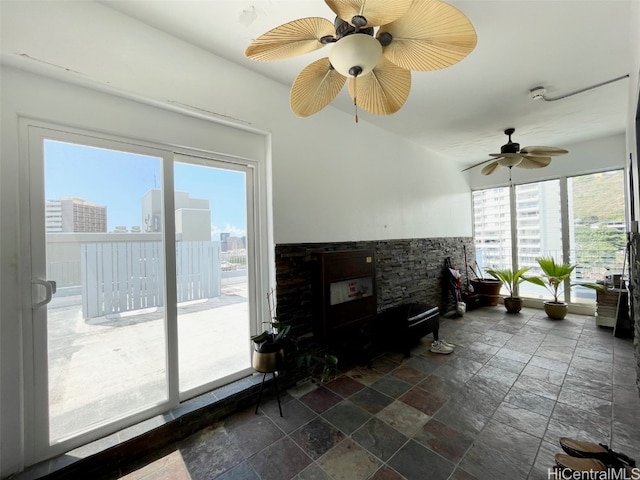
118,180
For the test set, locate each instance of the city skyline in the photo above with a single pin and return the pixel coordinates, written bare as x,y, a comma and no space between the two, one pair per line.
119,180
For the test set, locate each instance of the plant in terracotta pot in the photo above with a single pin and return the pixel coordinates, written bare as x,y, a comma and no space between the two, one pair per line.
553,279
488,289
510,280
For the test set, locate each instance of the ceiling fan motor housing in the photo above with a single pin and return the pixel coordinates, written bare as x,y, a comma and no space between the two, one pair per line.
510,147
344,28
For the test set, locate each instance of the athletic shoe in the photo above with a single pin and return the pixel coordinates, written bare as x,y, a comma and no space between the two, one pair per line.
447,344
439,347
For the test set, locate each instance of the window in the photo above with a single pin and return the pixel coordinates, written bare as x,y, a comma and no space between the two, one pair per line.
596,228
538,228
492,230
589,231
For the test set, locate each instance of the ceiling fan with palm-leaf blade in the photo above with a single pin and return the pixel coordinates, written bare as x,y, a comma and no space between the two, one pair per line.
511,155
375,44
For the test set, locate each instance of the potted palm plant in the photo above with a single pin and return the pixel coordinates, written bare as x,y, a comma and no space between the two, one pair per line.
553,279
510,280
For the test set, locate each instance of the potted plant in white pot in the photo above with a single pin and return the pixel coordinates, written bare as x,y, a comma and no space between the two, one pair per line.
553,278
510,280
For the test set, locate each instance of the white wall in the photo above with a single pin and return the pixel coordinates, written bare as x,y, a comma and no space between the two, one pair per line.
388,189
332,180
317,162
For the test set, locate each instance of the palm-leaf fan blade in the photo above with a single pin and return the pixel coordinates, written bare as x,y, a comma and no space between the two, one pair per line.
291,39
432,35
489,169
377,12
384,90
544,151
534,162
315,88
476,165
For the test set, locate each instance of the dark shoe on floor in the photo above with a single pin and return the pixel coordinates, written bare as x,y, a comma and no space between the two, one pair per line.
598,451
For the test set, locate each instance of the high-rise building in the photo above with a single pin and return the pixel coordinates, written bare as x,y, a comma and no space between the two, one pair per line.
193,216
71,214
537,224
224,241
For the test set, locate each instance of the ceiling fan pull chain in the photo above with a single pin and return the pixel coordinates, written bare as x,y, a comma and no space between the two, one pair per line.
355,96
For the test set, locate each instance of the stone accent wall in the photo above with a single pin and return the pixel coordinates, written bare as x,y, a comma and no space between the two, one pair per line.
413,270
634,288
406,271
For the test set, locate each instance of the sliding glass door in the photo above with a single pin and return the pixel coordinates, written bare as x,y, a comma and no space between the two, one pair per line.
211,271
103,332
141,260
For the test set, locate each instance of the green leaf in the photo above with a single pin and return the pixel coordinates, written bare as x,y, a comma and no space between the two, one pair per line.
510,279
261,338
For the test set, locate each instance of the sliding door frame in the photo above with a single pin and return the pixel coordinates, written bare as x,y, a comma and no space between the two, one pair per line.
32,134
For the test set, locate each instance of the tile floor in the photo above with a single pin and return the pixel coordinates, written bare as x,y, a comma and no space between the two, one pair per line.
493,409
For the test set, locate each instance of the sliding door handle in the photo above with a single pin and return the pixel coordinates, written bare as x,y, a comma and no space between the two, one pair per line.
49,290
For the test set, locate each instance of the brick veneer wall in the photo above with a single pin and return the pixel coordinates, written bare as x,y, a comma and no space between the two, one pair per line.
406,271
635,295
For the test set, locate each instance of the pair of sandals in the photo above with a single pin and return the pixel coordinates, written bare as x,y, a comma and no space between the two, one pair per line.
591,457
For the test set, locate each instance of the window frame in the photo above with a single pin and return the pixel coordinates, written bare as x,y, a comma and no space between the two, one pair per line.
584,308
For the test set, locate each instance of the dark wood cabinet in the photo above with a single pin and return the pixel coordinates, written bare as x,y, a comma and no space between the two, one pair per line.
345,292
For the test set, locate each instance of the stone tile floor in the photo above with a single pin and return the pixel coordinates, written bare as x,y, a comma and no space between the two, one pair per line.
494,408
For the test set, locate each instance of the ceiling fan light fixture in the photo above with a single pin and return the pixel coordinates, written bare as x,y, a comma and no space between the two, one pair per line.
355,55
510,161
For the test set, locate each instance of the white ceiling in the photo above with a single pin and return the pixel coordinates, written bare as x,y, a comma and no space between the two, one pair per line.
460,111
